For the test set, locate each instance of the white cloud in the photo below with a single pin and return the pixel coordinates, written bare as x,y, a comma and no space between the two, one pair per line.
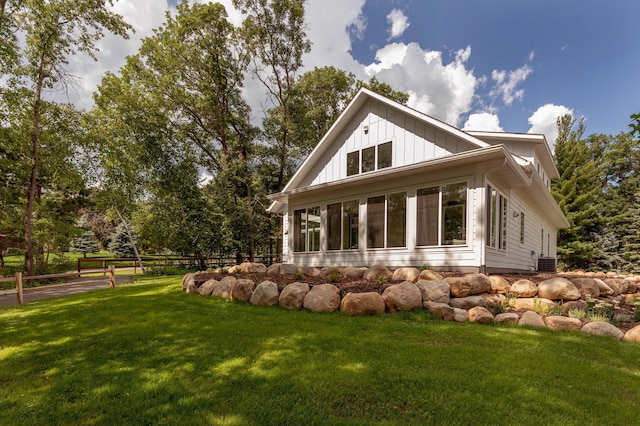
442,90
543,121
506,83
399,23
483,121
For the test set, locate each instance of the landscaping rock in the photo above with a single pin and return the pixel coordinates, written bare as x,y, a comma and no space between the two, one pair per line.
491,300
532,319
603,329
274,269
605,290
563,323
243,290
252,268
377,272
207,288
434,291
468,302
499,284
402,297
524,288
614,285
507,318
292,296
574,305
531,303
265,294
558,288
633,335
188,278
406,274
288,269
309,271
322,298
468,285
329,270
440,310
370,303
460,315
481,315
587,287
429,275
353,272
224,287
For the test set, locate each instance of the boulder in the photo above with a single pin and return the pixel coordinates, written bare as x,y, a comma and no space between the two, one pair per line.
531,303
402,297
406,274
224,287
605,290
440,310
377,271
603,329
207,288
532,319
491,300
563,323
587,287
499,284
235,269
252,268
429,275
243,290
633,287
370,303
468,285
460,315
201,277
353,272
329,270
481,315
434,291
633,335
524,288
288,269
507,318
614,284
265,294
468,302
188,278
274,269
322,298
309,271
574,305
558,288
292,296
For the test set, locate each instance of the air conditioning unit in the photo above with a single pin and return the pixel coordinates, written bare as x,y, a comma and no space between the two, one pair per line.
547,264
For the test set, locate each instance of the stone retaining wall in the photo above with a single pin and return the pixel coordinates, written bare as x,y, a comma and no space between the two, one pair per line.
473,297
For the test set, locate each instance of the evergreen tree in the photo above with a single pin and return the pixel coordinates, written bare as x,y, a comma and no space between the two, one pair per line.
120,245
631,241
86,242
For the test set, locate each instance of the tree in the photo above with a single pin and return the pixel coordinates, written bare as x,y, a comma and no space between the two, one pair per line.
578,192
86,242
53,31
635,124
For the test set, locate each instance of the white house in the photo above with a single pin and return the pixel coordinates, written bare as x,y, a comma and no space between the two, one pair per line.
390,185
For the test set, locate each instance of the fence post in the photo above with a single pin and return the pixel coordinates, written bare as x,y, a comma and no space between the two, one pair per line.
112,276
19,288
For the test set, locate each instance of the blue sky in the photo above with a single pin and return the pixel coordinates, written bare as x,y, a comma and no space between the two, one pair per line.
511,65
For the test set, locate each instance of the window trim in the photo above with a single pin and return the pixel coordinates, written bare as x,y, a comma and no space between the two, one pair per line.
385,221
441,212
376,158
297,232
497,218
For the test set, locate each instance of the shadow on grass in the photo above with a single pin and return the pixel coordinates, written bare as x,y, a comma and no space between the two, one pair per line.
148,353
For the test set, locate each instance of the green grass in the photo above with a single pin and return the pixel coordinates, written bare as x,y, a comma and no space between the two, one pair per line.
146,353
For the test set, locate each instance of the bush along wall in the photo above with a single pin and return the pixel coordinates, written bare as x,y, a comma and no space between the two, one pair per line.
595,303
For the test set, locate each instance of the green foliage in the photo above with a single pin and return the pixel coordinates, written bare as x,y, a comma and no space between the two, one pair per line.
636,312
120,244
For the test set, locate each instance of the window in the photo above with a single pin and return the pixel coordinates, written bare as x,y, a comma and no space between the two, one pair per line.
353,163
342,221
442,215
497,219
373,158
306,229
521,227
387,221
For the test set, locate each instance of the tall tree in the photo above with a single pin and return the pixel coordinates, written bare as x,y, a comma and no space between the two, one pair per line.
53,31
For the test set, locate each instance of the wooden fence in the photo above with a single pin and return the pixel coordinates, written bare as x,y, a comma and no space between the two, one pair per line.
19,279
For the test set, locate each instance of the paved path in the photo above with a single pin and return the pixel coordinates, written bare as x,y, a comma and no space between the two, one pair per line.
78,285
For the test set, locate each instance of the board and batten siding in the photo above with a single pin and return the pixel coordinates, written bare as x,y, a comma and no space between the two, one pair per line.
413,140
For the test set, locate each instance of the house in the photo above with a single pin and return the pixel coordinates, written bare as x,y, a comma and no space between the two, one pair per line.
390,185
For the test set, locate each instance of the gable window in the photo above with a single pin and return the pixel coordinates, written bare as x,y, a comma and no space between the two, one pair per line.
342,225
387,221
306,229
497,219
521,227
373,158
442,215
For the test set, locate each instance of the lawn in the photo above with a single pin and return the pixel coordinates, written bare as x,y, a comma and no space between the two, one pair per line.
146,353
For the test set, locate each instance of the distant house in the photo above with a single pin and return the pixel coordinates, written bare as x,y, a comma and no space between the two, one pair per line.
390,185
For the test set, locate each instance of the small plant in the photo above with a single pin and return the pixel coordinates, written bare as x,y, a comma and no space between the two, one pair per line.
636,311
600,309
380,279
426,266
556,309
333,277
298,276
577,313
598,318
539,307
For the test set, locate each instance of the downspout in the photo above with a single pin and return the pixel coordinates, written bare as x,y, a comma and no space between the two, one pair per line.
483,223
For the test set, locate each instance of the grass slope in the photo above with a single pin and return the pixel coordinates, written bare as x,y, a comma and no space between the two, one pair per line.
147,353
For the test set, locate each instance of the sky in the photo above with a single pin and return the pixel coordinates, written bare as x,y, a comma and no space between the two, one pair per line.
493,65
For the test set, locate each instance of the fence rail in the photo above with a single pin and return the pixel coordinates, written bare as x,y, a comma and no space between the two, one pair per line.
19,279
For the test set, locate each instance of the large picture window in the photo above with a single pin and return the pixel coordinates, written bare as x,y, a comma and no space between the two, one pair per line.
306,229
442,215
387,221
497,219
342,225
